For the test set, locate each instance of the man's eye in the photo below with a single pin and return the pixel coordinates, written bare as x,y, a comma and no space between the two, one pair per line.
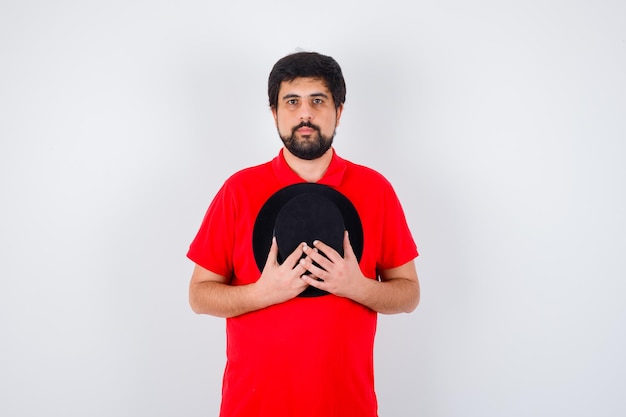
292,101
317,101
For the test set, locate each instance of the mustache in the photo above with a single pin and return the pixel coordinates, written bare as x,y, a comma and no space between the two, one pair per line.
306,124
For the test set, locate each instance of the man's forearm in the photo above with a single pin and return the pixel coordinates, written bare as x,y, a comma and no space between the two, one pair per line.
223,300
395,295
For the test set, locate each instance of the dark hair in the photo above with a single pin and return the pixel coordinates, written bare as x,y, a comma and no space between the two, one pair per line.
307,64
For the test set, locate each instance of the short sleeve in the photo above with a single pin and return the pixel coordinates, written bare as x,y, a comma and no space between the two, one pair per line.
212,247
398,245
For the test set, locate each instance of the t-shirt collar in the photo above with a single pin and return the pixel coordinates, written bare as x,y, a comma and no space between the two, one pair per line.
332,177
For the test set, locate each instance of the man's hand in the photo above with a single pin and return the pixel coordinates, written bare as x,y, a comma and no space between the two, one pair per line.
211,293
341,276
281,282
397,291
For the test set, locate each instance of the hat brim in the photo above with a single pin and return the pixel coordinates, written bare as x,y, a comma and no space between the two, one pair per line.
265,222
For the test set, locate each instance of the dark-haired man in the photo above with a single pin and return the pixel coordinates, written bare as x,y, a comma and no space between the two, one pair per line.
288,354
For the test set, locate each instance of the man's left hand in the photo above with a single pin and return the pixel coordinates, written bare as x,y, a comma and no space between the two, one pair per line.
341,276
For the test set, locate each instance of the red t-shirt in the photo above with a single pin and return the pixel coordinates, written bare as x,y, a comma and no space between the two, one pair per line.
307,357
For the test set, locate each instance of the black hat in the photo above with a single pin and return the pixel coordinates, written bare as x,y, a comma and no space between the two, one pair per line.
305,212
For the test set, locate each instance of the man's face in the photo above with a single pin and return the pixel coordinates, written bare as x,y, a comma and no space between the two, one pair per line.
306,117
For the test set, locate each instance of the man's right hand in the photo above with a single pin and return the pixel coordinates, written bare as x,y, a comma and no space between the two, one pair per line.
211,293
281,282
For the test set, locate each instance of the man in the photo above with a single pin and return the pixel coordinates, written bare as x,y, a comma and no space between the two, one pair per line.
289,355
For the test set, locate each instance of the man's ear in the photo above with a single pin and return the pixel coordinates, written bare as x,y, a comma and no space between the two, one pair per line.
339,112
274,114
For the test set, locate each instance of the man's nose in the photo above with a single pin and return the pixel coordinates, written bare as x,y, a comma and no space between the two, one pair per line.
306,112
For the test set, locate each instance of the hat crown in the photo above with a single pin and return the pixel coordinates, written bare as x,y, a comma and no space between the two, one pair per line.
306,218
315,214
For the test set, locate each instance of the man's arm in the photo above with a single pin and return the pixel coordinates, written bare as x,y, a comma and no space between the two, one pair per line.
397,292
210,293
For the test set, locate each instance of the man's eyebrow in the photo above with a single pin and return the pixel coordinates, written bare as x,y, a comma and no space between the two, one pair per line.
293,95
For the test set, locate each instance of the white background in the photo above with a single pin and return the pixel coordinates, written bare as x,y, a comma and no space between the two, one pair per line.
501,125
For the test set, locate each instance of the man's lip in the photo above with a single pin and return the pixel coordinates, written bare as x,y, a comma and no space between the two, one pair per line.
305,130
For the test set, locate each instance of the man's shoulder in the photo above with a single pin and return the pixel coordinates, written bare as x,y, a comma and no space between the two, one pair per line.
365,174
250,174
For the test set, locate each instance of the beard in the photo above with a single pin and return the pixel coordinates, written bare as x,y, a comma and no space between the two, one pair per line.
307,147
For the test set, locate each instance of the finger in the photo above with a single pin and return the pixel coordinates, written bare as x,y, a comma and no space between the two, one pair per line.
314,255
316,271
293,257
348,252
328,251
314,281
272,256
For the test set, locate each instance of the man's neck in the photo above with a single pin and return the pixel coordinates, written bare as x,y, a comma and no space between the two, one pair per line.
310,171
